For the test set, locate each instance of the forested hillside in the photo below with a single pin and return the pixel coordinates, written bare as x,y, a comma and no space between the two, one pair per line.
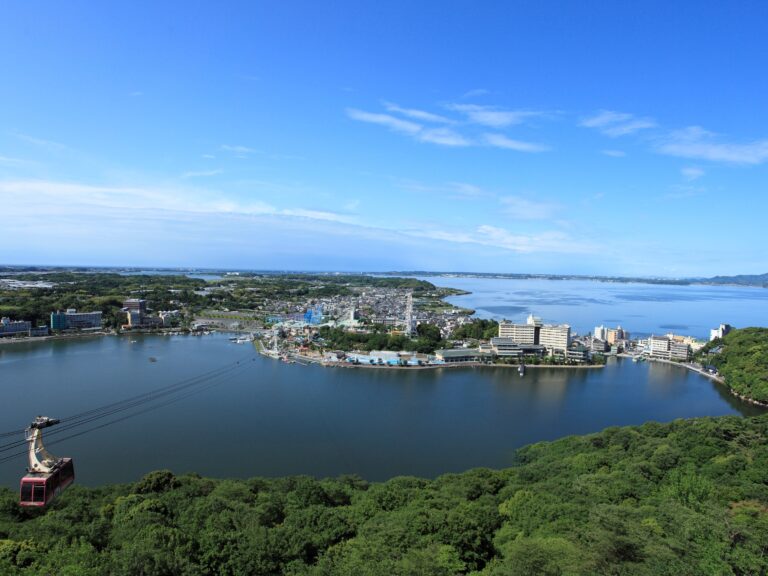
743,361
690,497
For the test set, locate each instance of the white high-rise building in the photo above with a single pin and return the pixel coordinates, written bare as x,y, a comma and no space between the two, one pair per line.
556,339
519,333
601,332
719,332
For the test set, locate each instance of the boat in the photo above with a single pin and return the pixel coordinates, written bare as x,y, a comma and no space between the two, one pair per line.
521,370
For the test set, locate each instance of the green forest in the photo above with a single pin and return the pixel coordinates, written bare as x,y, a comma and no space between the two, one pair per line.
685,498
742,361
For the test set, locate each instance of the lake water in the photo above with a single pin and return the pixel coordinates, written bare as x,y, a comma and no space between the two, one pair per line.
640,308
270,418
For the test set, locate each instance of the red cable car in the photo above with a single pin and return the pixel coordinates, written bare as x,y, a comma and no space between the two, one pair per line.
47,475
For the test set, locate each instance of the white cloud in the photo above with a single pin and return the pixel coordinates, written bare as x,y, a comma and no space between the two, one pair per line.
42,143
386,120
493,116
493,236
417,114
201,174
615,153
443,136
456,190
502,141
136,203
684,192
697,143
474,93
239,151
616,124
605,118
8,161
524,209
691,173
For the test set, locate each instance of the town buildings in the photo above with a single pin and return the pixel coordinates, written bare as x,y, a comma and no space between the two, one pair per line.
10,327
137,315
556,339
667,348
72,319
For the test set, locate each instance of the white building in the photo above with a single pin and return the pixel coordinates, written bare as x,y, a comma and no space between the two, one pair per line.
667,348
519,333
556,339
720,331
601,333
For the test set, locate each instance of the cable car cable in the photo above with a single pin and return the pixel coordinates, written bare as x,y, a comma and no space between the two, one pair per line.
115,407
209,385
204,375
130,403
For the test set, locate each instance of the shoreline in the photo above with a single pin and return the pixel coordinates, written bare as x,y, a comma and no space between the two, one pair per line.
706,374
55,337
304,360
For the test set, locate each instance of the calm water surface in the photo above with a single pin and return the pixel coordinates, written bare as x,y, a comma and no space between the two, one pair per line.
272,418
640,308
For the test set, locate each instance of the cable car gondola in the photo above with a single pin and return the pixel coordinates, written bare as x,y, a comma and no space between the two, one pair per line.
47,476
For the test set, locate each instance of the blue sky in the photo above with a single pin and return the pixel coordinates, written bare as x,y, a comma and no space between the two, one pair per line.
567,137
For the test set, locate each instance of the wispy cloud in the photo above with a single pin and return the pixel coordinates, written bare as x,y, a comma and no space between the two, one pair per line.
238,150
138,202
492,116
697,143
454,133
208,156
475,93
386,120
691,173
201,174
616,124
502,141
454,190
41,142
136,94
682,192
524,209
441,136
615,153
416,114
496,237
8,161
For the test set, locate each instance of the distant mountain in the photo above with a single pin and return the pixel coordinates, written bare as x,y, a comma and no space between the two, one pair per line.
760,280
741,279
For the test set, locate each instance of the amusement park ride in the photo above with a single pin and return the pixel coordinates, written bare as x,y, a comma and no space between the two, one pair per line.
47,476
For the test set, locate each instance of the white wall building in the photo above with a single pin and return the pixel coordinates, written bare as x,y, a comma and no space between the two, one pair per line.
719,332
519,333
556,339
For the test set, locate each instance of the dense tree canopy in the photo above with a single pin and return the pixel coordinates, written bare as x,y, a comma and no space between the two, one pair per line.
689,497
427,339
743,361
477,329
